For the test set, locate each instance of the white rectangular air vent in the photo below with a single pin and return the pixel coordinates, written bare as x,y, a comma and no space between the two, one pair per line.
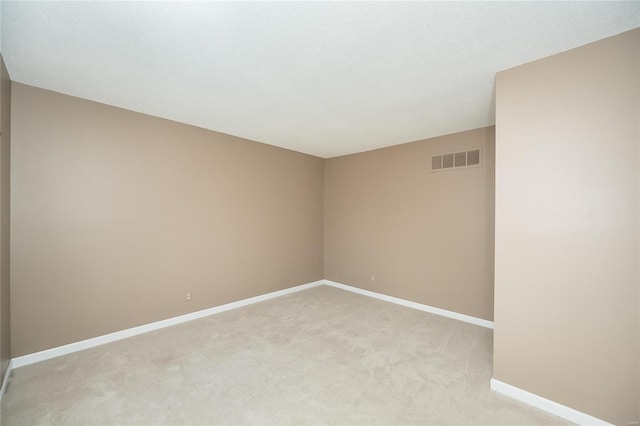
456,160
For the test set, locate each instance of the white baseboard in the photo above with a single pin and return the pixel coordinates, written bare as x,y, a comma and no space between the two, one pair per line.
5,383
419,306
21,361
5,379
130,332
547,405
496,385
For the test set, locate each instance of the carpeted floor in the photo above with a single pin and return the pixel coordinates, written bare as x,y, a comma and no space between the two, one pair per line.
320,356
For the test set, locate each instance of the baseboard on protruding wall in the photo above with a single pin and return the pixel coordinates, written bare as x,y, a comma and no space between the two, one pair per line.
414,305
5,379
547,405
130,332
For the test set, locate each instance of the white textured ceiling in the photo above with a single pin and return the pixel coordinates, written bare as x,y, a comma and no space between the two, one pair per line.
324,78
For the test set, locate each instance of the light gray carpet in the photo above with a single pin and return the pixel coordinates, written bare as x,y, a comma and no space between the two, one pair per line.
320,356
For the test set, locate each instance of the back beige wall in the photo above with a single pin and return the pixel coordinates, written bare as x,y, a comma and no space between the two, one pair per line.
426,237
567,181
116,215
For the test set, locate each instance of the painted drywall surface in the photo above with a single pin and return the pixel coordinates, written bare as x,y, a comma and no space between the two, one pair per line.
566,287
426,237
5,214
117,215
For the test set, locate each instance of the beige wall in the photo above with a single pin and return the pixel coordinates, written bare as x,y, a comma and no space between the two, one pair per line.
5,213
116,215
426,237
567,273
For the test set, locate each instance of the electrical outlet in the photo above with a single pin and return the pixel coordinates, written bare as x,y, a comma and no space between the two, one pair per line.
373,278
187,297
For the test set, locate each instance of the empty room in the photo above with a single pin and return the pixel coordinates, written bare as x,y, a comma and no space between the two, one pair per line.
295,213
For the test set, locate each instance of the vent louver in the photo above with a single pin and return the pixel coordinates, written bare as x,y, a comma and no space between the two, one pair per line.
456,160
473,157
447,161
436,162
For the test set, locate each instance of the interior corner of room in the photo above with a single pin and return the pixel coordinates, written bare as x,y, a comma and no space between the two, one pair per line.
111,220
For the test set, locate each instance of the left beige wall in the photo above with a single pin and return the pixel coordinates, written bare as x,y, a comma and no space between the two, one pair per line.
117,215
5,213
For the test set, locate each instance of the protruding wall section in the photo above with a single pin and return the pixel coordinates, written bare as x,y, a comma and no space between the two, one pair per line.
567,211
5,214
